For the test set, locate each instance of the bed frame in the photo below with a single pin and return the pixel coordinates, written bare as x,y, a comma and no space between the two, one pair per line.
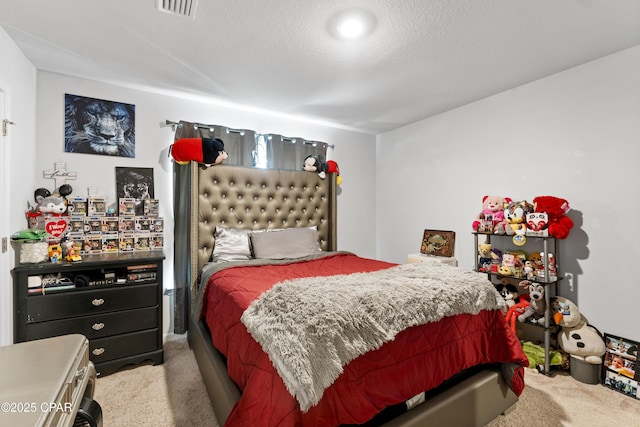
241,197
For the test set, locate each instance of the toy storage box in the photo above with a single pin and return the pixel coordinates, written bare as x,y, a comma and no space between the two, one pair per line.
31,252
585,372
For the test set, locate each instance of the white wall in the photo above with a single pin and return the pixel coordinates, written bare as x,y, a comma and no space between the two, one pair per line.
573,135
18,86
353,152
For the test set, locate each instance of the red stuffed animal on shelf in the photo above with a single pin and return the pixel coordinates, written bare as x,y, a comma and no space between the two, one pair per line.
556,208
206,151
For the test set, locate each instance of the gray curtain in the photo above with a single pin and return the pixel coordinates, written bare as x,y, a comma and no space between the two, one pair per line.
289,153
238,143
244,147
181,264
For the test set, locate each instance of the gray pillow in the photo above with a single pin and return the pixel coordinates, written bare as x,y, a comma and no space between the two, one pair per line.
231,244
287,243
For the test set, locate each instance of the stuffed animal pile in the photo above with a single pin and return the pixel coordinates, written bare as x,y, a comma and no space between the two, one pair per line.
546,216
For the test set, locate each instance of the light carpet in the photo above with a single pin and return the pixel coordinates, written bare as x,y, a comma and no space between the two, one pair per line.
173,394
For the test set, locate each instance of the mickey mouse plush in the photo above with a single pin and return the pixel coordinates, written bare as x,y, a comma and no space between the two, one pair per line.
206,151
316,164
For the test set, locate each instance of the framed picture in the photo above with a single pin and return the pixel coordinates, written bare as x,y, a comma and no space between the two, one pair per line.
438,243
98,126
620,371
136,184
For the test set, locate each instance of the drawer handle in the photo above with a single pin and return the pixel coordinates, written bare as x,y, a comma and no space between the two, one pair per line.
98,351
97,326
97,302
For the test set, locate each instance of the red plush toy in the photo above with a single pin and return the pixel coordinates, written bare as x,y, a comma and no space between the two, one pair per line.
332,167
559,223
206,151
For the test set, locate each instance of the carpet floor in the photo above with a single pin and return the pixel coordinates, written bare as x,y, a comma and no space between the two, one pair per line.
173,394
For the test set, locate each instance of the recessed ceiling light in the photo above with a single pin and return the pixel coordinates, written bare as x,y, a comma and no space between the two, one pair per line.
351,24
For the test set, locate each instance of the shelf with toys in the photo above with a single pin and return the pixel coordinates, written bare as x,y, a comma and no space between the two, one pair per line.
526,279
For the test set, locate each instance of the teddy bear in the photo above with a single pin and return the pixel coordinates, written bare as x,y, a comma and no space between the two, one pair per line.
559,224
491,218
484,260
515,215
206,151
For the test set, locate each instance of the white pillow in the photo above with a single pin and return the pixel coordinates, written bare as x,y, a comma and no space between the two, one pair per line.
286,243
231,244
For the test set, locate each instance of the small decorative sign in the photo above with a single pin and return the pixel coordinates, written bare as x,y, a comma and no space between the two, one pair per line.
438,243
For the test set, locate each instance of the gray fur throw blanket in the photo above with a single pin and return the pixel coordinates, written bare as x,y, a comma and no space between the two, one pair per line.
312,327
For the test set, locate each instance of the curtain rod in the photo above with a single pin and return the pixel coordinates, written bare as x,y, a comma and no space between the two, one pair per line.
175,125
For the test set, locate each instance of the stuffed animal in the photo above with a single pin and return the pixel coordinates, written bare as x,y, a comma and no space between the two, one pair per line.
496,260
537,223
529,269
537,304
507,268
51,205
491,218
206,151
564,312
582,341
515,214
509,293
332,167
315,164
536,261
516,310
536,356
556,208
484,261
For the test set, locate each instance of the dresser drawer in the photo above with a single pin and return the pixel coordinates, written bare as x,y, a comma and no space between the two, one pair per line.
98,325
41,308
105,349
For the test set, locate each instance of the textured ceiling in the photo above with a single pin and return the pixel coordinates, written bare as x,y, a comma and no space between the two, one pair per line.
423,58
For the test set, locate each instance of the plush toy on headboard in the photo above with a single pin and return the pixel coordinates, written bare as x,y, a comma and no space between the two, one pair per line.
321,167
206,151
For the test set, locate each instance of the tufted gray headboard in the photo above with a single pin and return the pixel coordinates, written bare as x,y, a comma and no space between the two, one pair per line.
243,197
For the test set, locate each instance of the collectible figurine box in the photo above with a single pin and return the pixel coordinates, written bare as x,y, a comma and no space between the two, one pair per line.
151,207
127,206
93,225
77,206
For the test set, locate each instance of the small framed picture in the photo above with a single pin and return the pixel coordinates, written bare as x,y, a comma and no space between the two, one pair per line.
620,371
438,243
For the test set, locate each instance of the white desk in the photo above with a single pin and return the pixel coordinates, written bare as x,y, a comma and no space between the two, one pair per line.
413,258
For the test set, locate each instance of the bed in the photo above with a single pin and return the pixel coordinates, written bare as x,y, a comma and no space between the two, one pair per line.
374,388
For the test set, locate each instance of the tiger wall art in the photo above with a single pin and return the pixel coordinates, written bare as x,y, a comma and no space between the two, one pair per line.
97,126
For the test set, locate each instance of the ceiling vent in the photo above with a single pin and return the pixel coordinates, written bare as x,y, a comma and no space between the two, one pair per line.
184,8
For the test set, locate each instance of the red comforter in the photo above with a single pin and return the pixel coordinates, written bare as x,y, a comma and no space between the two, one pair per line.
419,359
